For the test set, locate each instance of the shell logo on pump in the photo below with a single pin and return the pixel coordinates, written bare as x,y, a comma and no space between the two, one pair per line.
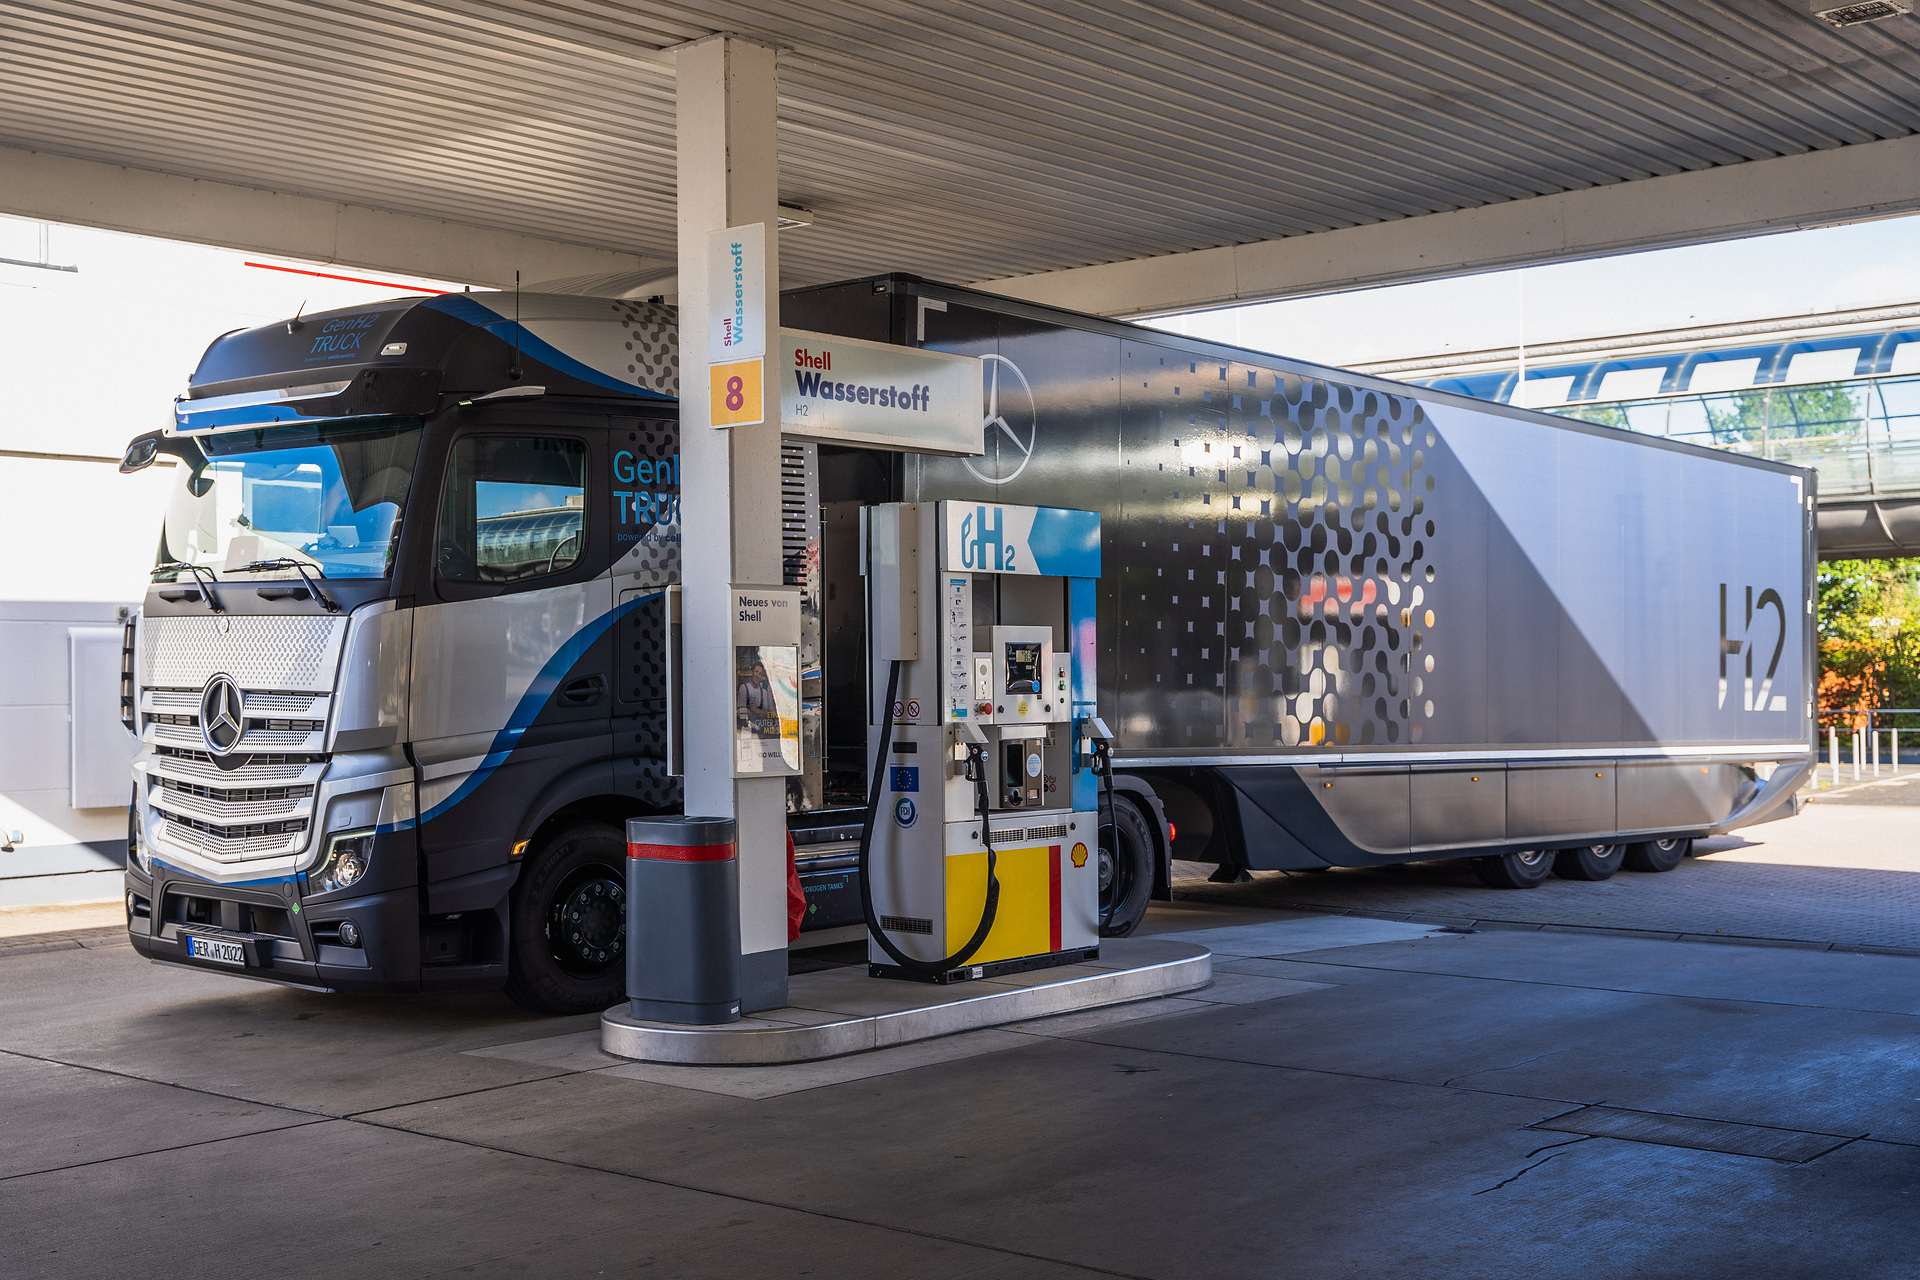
1079,855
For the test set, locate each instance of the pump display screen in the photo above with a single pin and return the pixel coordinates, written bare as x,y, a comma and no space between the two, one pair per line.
1023,668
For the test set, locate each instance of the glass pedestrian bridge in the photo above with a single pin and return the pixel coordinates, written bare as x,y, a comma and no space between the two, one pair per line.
1847,405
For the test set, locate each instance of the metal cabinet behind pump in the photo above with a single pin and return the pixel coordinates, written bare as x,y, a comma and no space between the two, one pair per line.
989,611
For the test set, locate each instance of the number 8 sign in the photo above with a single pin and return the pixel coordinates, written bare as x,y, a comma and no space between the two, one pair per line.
734,396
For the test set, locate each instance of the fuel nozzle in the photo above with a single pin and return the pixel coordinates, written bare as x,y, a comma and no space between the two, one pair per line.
1097,745
975,766
971,752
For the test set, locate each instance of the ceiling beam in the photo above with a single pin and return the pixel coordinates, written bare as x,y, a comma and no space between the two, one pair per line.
87,193
1818,188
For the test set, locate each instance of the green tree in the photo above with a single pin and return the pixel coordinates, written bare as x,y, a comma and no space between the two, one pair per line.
1819,409
1868,617
1601,415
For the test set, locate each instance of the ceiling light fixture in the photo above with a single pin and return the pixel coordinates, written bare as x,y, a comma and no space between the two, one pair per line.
1852,15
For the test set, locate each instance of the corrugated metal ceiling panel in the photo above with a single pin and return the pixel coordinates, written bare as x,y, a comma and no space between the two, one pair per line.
968,140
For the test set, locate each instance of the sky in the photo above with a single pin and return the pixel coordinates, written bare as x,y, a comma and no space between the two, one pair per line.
1864,264
94,357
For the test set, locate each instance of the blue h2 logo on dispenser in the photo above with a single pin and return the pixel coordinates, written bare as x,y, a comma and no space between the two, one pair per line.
976,536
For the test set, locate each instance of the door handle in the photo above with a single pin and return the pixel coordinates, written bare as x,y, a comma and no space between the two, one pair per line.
583,692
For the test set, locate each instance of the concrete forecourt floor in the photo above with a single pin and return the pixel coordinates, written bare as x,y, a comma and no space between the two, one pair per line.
1353,1096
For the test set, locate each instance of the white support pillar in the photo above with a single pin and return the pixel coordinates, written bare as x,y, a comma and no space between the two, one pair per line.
730,477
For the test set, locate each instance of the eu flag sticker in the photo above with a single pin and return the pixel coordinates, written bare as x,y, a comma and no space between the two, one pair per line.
906,777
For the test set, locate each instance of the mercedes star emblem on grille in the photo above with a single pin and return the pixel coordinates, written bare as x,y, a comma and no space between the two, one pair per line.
221,715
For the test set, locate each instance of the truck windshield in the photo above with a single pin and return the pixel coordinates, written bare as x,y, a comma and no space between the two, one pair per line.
330,495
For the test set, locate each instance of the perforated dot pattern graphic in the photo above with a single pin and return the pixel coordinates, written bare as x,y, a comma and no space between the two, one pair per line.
651,339
1276,580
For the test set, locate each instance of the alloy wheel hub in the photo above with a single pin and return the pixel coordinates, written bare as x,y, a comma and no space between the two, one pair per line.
589,924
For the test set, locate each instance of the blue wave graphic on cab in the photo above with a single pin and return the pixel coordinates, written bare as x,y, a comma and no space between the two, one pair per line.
462,307
531,702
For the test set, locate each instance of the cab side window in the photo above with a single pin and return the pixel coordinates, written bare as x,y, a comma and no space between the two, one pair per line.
514,509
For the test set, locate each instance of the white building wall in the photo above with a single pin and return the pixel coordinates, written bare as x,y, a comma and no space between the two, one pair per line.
94,344
63,853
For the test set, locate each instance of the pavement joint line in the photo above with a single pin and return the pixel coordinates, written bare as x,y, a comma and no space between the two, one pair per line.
1683,1115
165,1151
743,1199
281,1106
555,1073
167,1084
1657,935
1571,1104
364,1118
1293,958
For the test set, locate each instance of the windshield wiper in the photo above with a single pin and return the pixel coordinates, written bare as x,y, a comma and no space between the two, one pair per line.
261,566
176,566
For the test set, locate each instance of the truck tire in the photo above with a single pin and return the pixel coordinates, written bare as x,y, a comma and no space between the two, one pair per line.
1657,855
568,949
1527,869
1126,872
1589,862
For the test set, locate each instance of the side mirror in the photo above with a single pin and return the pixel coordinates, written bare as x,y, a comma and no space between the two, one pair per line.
140,454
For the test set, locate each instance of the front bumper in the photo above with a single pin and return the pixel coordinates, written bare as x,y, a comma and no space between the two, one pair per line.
284,936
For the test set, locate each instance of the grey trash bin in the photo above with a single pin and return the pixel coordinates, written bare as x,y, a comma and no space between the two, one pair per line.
683,920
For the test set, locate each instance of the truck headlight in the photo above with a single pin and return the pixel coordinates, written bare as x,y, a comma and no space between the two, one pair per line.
349,854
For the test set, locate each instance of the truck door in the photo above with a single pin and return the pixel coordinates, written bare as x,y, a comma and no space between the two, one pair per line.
513,681
646,562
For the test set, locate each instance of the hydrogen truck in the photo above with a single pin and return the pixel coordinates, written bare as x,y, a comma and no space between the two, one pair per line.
407,663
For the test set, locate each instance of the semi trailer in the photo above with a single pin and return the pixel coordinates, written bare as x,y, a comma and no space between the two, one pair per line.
407,664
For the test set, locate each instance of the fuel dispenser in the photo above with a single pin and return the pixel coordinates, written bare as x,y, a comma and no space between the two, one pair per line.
980,848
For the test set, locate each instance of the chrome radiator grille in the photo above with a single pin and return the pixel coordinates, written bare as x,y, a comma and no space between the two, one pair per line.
284,670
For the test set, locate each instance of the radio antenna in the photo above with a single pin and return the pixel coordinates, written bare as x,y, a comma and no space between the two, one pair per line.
513,370
295,322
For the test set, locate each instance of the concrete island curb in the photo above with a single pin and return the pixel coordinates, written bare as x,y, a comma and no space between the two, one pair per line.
812,1027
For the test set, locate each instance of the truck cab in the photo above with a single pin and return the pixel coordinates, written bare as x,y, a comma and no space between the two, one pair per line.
400,676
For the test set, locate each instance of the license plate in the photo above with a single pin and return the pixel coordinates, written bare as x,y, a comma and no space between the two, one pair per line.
218,950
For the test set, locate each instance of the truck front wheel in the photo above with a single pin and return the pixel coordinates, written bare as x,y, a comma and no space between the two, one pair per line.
568,953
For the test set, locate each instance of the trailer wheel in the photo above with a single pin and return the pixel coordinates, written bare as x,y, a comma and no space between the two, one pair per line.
568,951
1657,855
1526,869
1589,862
1126,872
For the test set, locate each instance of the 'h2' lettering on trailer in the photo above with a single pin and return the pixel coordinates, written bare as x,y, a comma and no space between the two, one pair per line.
1742,647
976,537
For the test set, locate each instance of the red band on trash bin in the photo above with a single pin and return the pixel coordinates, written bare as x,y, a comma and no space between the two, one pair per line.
682,852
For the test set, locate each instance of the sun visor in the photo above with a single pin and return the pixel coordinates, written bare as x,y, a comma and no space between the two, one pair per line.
345,393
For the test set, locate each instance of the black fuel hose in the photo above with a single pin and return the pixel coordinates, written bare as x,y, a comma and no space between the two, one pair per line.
1108,822
922,968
